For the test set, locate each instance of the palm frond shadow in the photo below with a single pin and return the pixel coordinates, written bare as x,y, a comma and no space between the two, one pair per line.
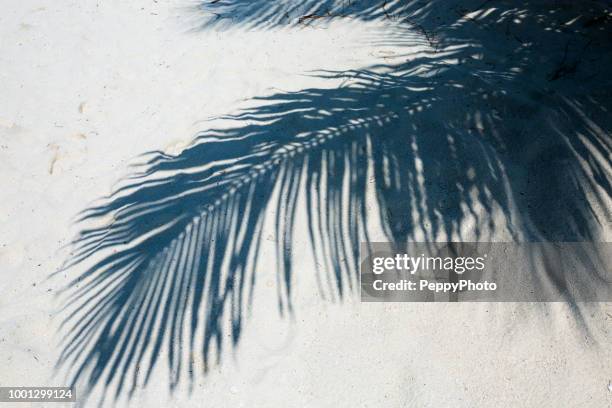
171,270
191,224
265,14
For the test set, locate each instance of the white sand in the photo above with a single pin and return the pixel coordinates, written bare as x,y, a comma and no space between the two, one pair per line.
85,87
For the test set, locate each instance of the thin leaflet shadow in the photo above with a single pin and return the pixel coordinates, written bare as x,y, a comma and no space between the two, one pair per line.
265,14
442,138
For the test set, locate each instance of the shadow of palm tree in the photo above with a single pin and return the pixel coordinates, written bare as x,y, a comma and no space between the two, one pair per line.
263,14
442,138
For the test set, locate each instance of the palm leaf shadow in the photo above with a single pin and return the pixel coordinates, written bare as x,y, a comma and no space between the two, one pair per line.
265,14
185,232
172,267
